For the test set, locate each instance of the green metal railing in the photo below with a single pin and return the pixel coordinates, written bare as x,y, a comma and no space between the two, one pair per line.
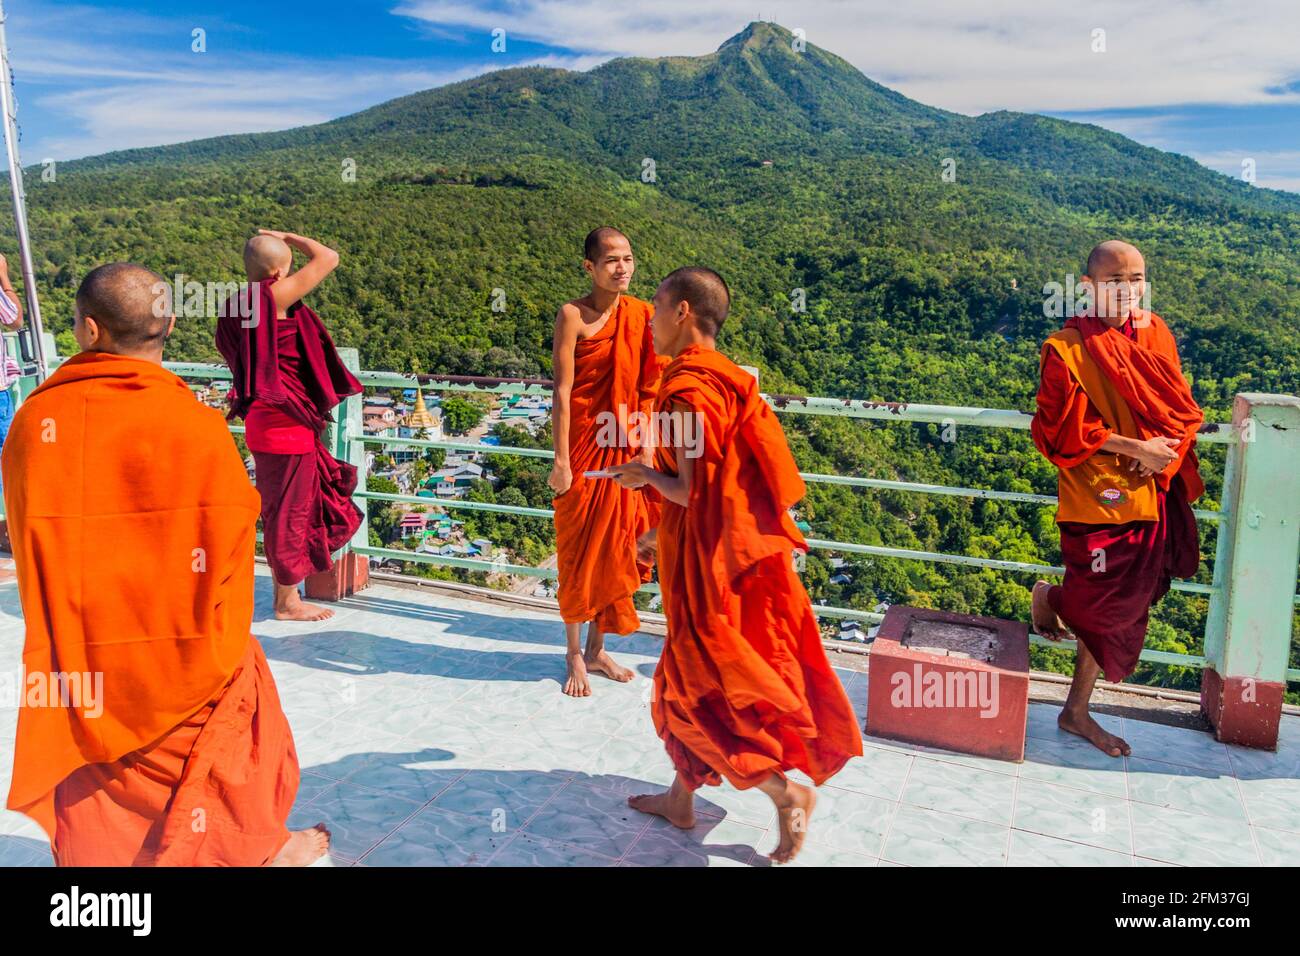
1245,624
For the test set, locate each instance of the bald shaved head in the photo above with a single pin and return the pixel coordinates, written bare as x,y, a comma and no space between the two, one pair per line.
1117,275
130,305
598,239
264,255
704,291
1110,253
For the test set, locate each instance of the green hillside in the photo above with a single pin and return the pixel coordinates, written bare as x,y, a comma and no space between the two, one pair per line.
784,171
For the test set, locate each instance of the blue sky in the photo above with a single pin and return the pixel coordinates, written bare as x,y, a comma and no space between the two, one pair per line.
1208,78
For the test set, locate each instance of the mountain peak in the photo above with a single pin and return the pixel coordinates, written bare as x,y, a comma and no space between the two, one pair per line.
758,34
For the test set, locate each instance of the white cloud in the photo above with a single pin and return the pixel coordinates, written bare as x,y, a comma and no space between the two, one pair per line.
104,76
177,104
1273,169
1151,130
1033,55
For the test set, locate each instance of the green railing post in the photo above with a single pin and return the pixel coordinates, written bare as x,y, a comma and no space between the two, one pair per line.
1248,628
27,383
349,426
347,440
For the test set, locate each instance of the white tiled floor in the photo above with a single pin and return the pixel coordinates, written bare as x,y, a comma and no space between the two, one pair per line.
432,731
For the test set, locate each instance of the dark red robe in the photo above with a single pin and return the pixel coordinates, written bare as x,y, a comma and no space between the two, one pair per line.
287,371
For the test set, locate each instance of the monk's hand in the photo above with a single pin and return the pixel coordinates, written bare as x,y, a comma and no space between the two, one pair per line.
1156,454
292,240
632,475
646,545
561,478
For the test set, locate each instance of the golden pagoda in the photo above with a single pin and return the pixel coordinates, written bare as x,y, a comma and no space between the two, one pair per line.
420,416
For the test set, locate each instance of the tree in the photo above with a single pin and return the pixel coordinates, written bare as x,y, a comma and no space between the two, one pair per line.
383,522
435,458
461,415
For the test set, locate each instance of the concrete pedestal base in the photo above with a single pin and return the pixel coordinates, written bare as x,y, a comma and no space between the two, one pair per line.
951,681
350,574
1242,710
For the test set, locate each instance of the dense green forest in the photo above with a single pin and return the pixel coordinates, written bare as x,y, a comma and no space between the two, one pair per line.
920,243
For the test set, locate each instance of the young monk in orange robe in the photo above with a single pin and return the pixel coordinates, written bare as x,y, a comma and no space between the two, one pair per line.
743,689
1117,418
151,733
606,375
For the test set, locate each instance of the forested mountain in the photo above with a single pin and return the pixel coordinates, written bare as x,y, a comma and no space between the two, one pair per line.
785,171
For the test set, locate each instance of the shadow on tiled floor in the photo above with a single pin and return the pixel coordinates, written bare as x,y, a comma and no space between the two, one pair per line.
431,731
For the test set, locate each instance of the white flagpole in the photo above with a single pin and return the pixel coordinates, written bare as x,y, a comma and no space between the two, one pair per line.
20,204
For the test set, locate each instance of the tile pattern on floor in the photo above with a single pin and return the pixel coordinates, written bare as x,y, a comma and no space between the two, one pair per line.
431,731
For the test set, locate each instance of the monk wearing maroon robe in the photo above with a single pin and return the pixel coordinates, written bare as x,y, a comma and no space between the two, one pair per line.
606,374
743,690
1117,418
287,378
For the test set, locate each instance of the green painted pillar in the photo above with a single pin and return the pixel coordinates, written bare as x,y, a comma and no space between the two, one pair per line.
1248,630
349,425
27,383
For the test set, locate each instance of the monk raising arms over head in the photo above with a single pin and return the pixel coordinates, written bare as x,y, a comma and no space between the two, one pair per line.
606,373
743,689
1117,418
287,379
152,733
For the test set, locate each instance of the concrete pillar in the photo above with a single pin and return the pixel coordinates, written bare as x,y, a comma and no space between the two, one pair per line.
1248,633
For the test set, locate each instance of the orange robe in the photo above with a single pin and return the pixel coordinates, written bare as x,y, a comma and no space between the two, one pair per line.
1107,605
743,688
597,521
133,526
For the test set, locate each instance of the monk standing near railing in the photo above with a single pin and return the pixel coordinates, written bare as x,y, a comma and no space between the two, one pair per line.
606,373
287,378
743,689
150,732
1117,418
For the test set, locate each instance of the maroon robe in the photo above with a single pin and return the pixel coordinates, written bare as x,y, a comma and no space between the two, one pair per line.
1108,610
287,371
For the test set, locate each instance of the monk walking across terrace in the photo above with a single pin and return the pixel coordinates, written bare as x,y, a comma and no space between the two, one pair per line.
606,375
743,689
287,378
150,731
1117,418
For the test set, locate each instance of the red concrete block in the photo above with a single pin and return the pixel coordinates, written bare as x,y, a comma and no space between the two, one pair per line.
1243,710
951,681
348,575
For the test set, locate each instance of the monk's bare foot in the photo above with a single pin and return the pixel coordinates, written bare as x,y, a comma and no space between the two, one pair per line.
602,663
677,810
295,609
792,815
1093,732
577,684
1046,621
304,848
